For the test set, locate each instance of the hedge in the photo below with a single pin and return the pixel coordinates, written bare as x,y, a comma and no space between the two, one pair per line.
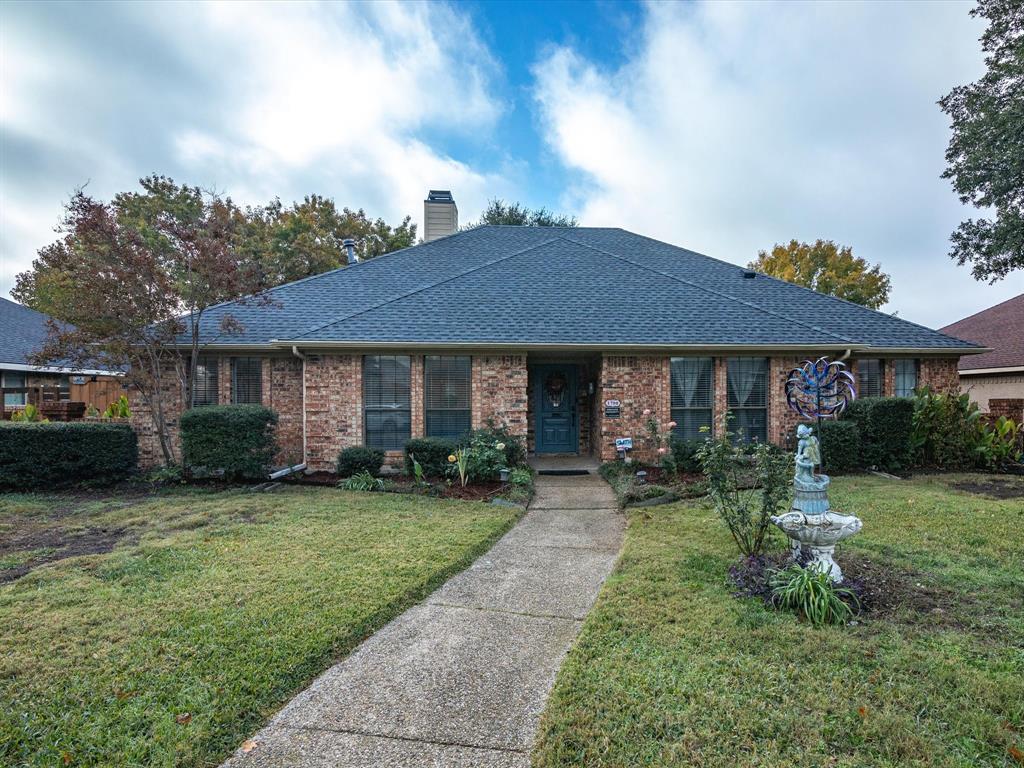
431,452
34,455
840,446
353,461
886,425
236,440
684,454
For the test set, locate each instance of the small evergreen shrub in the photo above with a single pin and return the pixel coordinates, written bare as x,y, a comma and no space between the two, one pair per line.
355,461
886,426
45,454
514,448
684,454
431,452
840,446
236,440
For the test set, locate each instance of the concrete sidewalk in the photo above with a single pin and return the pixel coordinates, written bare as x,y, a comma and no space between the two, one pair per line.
461,679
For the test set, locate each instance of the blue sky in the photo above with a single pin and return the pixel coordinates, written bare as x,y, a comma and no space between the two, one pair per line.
723,127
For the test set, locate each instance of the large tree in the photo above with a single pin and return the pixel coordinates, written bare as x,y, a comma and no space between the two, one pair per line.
500,212
826,268
143,268
985,156
306,238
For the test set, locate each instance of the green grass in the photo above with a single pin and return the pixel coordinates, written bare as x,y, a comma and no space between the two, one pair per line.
671,670
215,608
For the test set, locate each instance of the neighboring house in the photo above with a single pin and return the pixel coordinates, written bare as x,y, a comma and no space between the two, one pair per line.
22,333
566,336
995,379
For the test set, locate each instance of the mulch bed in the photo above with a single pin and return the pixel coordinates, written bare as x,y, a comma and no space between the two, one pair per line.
996,487
405,484
91,541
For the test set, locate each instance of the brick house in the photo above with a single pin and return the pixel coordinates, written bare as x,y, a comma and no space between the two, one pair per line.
564,335
995,379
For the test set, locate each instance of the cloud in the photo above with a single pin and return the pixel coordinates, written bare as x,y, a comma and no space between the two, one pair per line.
736,126
255,100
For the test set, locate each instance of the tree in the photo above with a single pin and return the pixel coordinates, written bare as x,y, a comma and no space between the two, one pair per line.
500,212
306,238
985,156
144,269
826,268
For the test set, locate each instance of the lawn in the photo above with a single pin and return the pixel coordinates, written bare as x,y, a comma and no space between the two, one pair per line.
198,614
672,670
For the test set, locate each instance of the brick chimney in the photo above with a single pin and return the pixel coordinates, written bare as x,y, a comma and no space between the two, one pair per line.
440,215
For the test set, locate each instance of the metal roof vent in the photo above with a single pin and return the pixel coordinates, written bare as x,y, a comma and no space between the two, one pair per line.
749,274
440,215
350,250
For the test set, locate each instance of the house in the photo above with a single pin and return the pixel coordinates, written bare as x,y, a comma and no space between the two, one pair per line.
61,391
995,379
566,336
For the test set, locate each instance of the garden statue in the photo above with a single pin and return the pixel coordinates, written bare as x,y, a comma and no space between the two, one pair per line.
816,390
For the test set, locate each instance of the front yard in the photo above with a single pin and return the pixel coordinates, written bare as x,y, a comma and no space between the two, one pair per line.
671,670
162,630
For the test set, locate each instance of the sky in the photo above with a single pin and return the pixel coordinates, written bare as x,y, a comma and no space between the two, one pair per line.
721,127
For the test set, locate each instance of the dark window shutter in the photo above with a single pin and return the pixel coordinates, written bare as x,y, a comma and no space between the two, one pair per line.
386,401
693,396
247,380
446,397
747,384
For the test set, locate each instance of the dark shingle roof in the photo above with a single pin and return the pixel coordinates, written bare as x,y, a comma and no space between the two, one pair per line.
550,285
1000,327
22,332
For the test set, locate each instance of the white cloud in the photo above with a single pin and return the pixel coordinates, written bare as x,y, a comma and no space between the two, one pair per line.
256,100
736,126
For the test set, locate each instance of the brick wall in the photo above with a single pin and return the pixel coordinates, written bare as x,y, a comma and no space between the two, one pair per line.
150,454
334,417
1010,407
640,383
282,391
499,392
940,374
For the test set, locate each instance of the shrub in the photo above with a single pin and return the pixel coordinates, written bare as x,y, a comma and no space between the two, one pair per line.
30,413
840,446
812,595
521,476
997,444
236,440
514,450
684,454
34,455
431,452
946,429
746,490
364,481
119,409
354,461
886,426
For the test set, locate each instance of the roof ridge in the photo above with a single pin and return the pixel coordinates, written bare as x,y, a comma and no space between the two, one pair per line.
711,290
423,288
803,288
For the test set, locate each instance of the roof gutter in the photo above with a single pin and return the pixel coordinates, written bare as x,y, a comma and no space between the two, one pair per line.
56,369
556,346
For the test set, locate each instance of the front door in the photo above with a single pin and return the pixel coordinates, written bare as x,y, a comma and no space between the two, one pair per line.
554,388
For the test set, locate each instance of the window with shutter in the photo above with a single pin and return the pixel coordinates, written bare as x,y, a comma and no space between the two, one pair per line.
386,411
13,380
446,398
247,380
747,384
906,377
693,398
869,377
205,391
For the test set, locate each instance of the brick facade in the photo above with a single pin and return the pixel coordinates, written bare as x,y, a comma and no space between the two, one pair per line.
1010,407
330,385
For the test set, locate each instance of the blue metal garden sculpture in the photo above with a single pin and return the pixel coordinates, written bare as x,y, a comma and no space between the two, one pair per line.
820,389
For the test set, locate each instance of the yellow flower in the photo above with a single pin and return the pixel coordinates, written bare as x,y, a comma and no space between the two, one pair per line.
451,457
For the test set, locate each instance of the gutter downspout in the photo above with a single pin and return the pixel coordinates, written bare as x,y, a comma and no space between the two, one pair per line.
302,357
845,356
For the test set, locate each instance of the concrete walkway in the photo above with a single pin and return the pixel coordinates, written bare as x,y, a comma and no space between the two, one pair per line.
461,679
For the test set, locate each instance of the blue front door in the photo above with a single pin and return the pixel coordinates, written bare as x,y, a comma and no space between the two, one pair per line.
554,391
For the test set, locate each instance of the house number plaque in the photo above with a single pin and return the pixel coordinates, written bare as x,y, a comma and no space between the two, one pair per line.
612,409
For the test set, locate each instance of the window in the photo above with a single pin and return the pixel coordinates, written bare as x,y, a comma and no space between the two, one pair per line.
906,377
64,389
247,380
205,392
747,379
869,378
387,416
446,395
693,387
12,380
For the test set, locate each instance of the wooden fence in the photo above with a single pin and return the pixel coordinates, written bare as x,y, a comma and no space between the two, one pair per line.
63,405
